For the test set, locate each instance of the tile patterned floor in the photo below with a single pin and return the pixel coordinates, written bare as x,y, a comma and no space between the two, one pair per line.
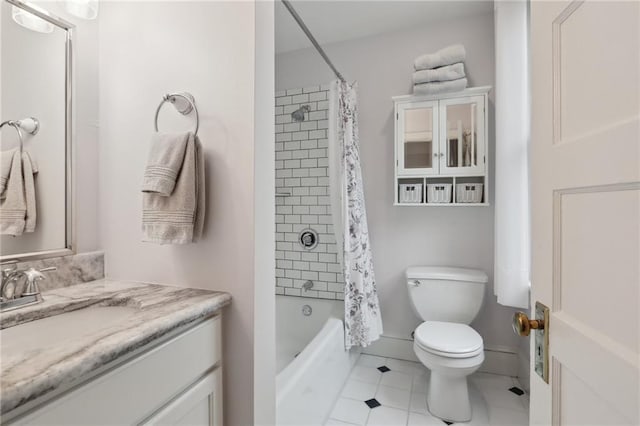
400,393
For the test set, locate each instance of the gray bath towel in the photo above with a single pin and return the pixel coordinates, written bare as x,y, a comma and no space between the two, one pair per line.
6,157
446,73
29,171
166,157
447,56
18,204
438,87
13,207
179,217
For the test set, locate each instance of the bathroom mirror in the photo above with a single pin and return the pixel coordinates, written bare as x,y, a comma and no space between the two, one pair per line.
35,106
418,138
462,140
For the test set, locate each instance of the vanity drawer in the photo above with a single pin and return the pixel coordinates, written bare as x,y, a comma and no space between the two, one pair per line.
133,391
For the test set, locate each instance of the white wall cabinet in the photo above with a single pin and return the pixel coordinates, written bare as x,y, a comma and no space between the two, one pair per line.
441,153
176,382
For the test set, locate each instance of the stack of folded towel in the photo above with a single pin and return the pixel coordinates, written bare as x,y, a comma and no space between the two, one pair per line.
17,192
440,72
173,190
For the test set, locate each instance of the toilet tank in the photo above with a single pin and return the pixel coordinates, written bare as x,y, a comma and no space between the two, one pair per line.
450,294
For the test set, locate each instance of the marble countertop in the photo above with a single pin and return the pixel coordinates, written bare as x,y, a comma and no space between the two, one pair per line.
30,374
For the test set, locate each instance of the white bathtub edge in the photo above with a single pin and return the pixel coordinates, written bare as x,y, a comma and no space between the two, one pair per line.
305,392
292,372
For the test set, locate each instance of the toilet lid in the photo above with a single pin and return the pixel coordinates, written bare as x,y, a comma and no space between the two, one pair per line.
448,338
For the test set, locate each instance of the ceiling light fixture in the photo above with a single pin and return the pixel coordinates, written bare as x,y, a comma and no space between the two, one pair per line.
30,21
85,9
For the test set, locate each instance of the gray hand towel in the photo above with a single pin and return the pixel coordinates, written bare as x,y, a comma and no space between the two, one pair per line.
438,87
29,170
446,73
166,157
13,207
447,56
6,157
178,218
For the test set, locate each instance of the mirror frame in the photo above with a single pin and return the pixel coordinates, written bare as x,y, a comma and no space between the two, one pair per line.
70,205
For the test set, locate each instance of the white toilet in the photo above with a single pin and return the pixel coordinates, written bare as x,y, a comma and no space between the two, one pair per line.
447,299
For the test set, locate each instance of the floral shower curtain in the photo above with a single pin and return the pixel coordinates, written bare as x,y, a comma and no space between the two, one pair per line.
362,319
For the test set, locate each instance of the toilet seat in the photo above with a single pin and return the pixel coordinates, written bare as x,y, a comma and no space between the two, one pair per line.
448,339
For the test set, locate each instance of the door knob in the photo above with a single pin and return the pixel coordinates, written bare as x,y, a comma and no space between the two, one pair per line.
522,325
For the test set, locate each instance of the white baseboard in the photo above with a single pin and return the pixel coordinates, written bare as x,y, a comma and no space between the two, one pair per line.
392,347
496,360
500,361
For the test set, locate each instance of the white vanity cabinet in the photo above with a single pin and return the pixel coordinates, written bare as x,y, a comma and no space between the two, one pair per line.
198,405
176,382
441,153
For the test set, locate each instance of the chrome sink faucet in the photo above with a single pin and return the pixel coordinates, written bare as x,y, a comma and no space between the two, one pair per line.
9,275
32,277
10,297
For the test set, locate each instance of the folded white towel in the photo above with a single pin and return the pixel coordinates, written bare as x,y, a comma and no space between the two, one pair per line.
178,218
438,87
446,73
165,160
447,56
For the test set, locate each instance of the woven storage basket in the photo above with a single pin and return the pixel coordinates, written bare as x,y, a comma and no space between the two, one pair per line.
469,192
410,193
439,193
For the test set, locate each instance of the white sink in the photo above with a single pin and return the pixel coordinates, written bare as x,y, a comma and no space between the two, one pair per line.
55,330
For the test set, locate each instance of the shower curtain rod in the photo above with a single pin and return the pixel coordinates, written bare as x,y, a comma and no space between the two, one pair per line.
311,38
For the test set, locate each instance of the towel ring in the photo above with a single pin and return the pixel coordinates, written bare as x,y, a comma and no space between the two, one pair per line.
184,110
31,125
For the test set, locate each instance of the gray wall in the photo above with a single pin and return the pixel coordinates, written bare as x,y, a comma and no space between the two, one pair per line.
207,48
404,236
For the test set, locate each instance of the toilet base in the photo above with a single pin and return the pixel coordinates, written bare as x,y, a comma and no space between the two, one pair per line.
448,398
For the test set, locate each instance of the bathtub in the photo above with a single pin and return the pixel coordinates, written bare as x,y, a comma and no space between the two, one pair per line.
311,360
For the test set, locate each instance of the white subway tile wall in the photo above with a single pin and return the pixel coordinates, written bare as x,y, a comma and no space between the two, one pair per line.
302,171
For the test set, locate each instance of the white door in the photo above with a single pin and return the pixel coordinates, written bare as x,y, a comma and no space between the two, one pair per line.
586,209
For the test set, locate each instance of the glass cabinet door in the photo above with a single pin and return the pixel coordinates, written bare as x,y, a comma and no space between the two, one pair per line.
462,145
417,138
